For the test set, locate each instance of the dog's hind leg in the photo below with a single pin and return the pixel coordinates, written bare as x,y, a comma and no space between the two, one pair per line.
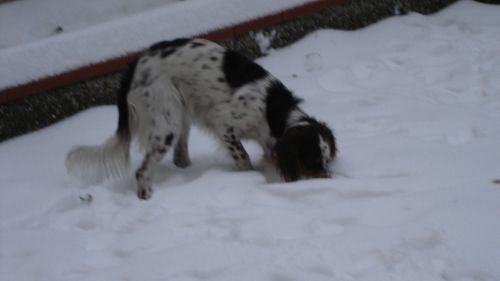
157,149
158,113
181,152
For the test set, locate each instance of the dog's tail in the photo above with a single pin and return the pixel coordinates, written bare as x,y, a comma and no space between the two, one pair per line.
111,160
94,164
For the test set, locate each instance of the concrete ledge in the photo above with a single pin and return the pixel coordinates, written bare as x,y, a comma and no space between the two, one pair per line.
50,105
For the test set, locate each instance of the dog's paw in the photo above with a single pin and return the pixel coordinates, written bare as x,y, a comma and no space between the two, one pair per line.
244,166
182,162
145,193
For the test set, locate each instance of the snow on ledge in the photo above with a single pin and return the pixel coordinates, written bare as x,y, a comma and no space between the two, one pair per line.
68,51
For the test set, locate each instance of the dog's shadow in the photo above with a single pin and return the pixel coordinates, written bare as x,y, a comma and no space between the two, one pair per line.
167,174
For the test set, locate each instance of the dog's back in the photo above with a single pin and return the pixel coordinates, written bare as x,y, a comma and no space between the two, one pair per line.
205,73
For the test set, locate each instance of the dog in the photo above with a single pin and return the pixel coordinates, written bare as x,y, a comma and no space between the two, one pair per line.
176,83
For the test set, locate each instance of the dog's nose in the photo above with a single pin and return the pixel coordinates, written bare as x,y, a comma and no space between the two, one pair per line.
319,175
325,174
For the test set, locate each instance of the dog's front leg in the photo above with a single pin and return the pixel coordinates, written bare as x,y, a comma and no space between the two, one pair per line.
236,149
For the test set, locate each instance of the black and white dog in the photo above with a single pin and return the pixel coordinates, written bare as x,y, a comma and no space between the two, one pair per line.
178,82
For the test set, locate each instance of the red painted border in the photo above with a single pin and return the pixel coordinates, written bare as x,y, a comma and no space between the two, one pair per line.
67,78
98,69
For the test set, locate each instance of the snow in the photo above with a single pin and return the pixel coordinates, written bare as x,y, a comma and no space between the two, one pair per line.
100,30
35,19
264,40
415,105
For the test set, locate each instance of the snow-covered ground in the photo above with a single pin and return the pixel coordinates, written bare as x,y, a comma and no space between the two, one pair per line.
415,103
99,30
25,21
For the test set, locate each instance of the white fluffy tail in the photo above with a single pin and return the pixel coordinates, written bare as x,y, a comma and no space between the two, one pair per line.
94,164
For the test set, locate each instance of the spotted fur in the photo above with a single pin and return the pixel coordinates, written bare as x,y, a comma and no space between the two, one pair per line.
176,83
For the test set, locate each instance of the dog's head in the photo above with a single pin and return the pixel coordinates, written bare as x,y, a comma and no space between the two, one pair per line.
305,151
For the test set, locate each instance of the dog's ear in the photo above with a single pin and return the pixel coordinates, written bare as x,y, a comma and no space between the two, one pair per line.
287,156
326,133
